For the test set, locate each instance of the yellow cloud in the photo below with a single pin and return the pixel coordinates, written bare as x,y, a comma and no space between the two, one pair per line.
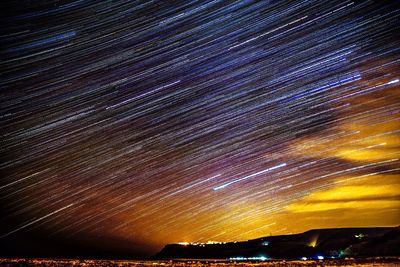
355,195
354,192
367,131
357,142
365,134
356,205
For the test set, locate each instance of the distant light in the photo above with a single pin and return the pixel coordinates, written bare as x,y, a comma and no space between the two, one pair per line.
265,243
359,236
183,243
238,258
262,258
320,257
313,242
304,258
213,242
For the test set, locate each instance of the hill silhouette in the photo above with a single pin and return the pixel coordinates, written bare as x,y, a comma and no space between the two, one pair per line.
312,244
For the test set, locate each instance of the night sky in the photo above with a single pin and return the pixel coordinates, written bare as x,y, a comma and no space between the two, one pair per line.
126,125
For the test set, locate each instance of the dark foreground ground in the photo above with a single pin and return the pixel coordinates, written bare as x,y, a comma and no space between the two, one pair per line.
370,262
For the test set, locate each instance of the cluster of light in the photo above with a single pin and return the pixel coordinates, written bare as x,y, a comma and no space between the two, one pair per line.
200,243
360,236
259,258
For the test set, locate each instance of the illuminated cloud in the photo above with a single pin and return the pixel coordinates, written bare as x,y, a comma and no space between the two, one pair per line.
357,137
368,143
355,142
349,197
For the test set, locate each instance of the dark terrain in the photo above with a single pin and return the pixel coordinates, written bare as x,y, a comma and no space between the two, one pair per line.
326,243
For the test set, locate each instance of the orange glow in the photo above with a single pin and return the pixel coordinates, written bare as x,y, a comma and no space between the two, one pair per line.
314,241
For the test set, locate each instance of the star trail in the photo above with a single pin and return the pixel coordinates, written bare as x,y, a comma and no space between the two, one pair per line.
151,122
